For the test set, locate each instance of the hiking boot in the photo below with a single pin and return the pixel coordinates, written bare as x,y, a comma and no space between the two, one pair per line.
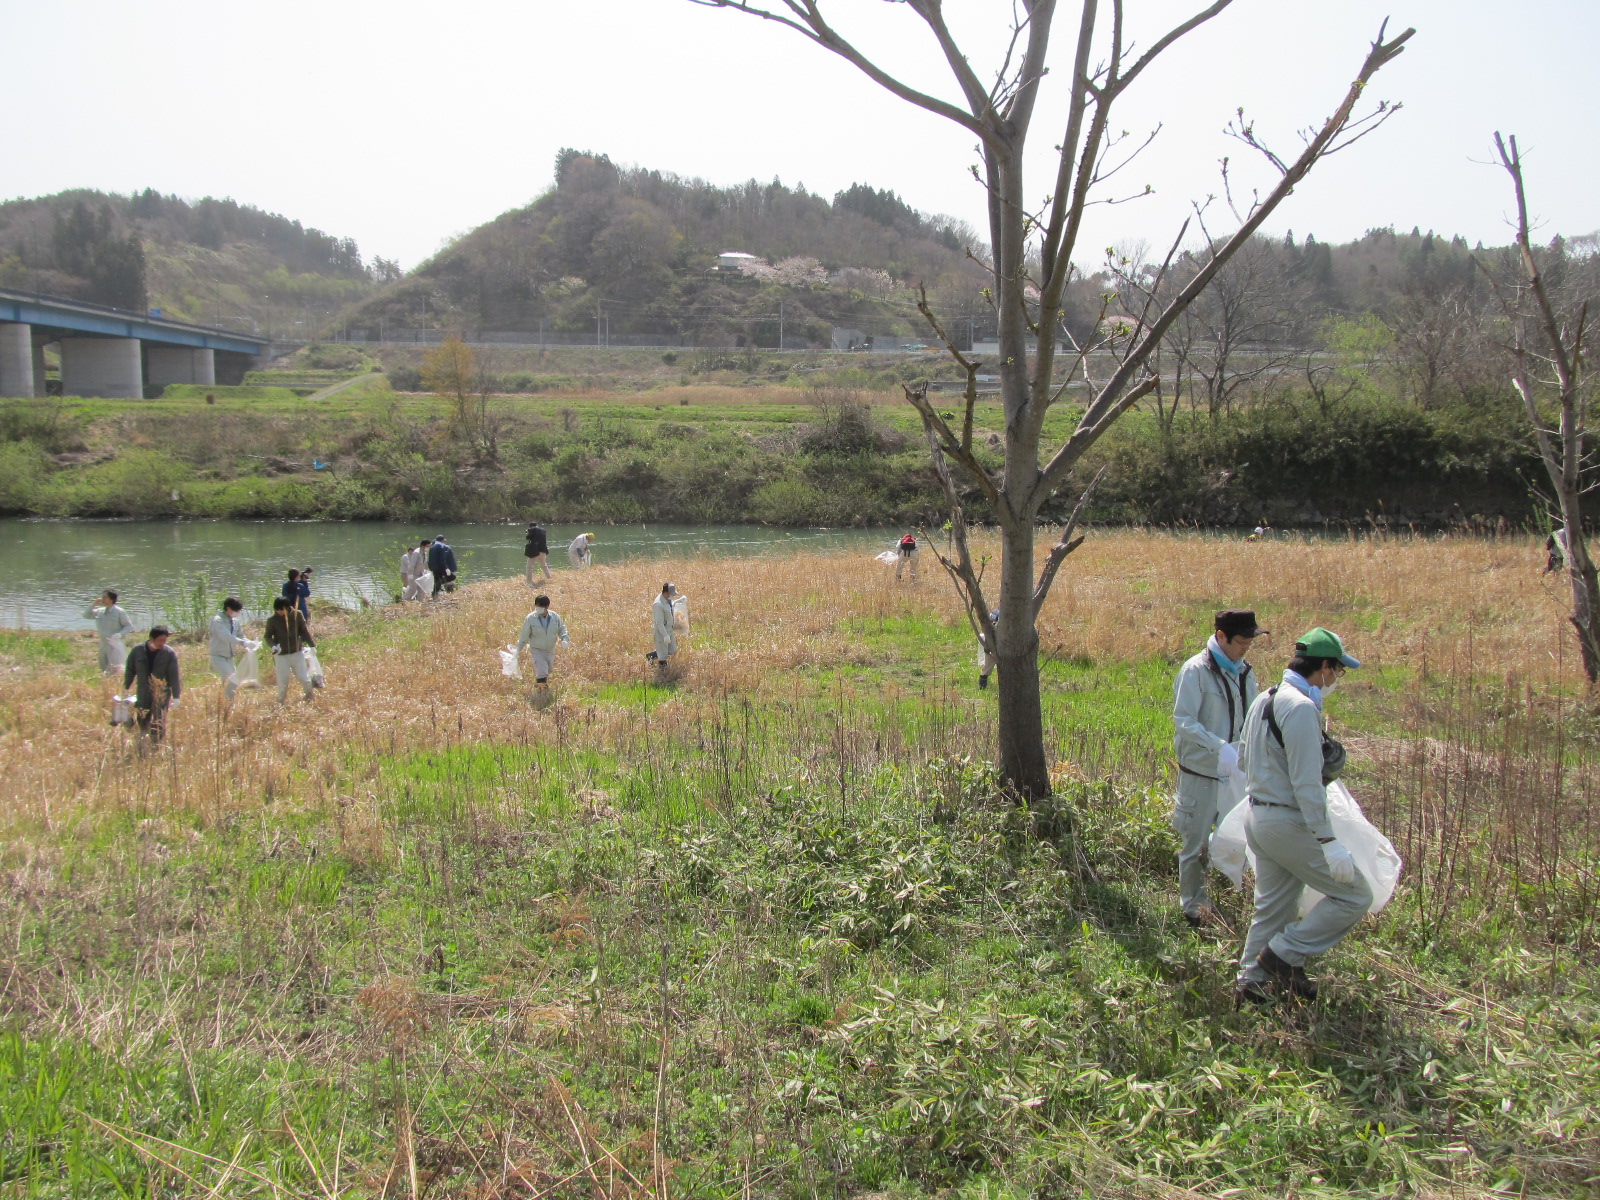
983,681
1251,992
1290,979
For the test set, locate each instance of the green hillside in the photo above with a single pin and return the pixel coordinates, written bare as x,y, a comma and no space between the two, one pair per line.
213,262
616,252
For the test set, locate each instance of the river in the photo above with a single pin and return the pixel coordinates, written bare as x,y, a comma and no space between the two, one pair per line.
55,569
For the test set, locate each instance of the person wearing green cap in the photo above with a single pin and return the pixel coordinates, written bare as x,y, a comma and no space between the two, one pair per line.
1212,694
1287,763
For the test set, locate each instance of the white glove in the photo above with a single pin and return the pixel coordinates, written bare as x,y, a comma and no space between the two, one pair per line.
1228,760
249,645
173,705
1340,865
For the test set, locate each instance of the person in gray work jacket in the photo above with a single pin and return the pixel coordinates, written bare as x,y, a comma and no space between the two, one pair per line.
226,639
1287,769
1212,694
541,633
113,626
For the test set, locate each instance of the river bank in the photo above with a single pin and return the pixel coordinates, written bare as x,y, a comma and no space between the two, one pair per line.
773,455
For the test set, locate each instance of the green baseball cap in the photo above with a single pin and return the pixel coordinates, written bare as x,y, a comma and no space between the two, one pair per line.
1324,643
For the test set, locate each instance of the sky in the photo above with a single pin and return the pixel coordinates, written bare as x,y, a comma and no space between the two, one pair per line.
403,124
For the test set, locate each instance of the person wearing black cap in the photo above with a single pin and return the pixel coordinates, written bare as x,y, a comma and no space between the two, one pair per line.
1213,692
1288,764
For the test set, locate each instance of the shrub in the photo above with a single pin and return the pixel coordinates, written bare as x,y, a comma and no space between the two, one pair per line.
23,470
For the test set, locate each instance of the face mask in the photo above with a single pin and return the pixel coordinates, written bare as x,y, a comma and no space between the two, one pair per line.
1329,687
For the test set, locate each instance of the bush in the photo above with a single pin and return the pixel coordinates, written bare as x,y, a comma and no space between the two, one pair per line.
23,470
137,483
405,379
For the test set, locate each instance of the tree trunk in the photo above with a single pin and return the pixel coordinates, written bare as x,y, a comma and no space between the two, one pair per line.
1021,714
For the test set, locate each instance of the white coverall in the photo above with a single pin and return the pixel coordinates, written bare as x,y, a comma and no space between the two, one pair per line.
540,634
226,637
113,625
663,626
411,564
1208,711
578,550
1288,814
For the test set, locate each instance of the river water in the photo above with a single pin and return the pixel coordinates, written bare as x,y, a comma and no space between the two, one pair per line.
55,569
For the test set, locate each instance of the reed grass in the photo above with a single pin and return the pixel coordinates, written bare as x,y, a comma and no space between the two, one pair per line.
762,927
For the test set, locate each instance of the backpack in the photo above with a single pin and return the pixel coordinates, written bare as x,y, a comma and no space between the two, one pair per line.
1333,752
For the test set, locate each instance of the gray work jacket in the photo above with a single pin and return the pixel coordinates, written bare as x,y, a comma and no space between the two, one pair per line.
1208,709
1289,775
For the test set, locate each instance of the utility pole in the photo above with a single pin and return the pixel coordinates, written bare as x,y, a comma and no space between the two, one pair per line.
780,322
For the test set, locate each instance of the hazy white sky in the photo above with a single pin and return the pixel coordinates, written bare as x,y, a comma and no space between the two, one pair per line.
402,123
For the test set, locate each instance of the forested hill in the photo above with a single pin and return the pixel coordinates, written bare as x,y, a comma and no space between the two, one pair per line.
216,262
637,251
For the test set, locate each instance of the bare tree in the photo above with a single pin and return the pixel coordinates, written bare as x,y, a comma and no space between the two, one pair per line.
1547,364
1032,242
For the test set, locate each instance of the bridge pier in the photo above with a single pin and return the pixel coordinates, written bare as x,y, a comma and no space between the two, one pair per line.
16,360
40,371
105,367
179,364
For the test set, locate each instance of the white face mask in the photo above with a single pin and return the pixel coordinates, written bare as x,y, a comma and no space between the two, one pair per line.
1328,688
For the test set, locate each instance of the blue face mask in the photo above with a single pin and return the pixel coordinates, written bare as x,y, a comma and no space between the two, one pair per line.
1222,660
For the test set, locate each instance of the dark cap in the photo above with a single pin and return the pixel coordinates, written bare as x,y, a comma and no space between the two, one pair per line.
160,631
1238,622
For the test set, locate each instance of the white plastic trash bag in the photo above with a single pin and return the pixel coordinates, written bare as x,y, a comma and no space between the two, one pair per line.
314,668
246,670
1373,853
888,557
680,615
424,585
511,663
122,710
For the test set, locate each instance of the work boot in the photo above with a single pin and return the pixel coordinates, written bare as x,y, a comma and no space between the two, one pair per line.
1251,992
983,681
1290,979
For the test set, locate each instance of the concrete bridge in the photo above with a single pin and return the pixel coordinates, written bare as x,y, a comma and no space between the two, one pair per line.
110,352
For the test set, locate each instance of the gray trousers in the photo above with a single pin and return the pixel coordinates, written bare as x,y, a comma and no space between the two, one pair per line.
1288,860
543,660
1194,816
291,664
225,669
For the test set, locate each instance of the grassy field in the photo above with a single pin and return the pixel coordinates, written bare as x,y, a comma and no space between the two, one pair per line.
765,929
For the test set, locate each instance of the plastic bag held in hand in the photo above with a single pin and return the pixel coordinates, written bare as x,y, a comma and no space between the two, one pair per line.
1373,854
511,663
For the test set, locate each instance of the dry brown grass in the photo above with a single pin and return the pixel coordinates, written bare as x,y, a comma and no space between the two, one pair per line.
431,678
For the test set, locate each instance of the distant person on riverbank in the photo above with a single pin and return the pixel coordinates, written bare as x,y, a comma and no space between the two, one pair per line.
303,592
536,550
908,554
227,639
291,587
410,567
113,627
988,658
1555,552
442,562
665,616
420,585
578,550
1213,692
154,668
288,635
541,632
